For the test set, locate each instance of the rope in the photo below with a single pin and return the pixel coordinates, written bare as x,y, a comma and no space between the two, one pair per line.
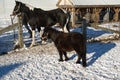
12,18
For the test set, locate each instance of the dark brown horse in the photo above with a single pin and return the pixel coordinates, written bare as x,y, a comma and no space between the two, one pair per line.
37,18
67,42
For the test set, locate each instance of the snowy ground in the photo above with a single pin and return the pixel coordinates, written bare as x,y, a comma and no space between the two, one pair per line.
41,62
113,26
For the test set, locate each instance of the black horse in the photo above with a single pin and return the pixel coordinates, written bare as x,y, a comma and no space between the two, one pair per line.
67,42
25,23
38,18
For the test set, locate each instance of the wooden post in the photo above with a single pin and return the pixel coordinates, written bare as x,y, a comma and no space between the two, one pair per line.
84,27
84,31
73,17
116,14
20,36
97,11
87,15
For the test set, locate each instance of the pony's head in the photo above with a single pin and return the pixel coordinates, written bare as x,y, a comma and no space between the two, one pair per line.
46,34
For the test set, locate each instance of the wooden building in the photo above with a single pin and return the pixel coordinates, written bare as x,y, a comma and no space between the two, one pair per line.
90,9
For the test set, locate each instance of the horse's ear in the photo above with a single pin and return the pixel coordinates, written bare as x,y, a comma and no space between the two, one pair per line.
17,2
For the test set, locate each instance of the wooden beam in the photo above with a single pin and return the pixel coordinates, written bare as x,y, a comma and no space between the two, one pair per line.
9,28
73,17
58,2
103,28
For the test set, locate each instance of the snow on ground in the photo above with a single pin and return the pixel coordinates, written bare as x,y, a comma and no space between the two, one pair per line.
113,26
41,62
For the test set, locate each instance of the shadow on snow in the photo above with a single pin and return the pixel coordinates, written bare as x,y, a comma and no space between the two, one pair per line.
97,50
4,70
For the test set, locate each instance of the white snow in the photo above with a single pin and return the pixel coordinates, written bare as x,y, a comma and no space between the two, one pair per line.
41,62
113,26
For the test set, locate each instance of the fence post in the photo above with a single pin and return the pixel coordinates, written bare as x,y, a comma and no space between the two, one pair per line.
84,31
84,27
20,36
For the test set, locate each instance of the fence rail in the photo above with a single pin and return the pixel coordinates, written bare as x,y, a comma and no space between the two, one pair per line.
8,28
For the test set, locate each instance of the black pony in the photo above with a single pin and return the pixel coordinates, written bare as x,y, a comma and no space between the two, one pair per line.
67,42
38,18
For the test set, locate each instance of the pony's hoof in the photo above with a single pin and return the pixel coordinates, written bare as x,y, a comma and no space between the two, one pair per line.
43,42
60,60
78,62
66,59
85,65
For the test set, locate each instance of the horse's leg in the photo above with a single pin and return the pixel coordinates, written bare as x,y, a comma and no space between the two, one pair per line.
29,31
40,32
33,38
65,54
24,22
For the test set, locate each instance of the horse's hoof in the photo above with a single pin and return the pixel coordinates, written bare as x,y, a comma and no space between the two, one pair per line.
32,45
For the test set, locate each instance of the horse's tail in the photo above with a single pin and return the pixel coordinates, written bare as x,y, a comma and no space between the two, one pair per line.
68,21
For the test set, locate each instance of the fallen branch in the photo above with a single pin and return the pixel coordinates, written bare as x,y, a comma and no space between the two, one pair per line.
105,38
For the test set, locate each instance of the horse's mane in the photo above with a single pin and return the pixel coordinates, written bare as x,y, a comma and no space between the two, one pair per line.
30,7
27,5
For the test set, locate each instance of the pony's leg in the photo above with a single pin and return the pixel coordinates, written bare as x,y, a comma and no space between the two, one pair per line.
33,38
79,57
84,59
61,55
82,55
65,54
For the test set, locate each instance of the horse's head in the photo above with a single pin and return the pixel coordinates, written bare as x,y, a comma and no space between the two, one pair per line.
21,7
17,8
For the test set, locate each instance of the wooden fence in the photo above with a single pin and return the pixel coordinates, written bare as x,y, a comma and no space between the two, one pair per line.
14,26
